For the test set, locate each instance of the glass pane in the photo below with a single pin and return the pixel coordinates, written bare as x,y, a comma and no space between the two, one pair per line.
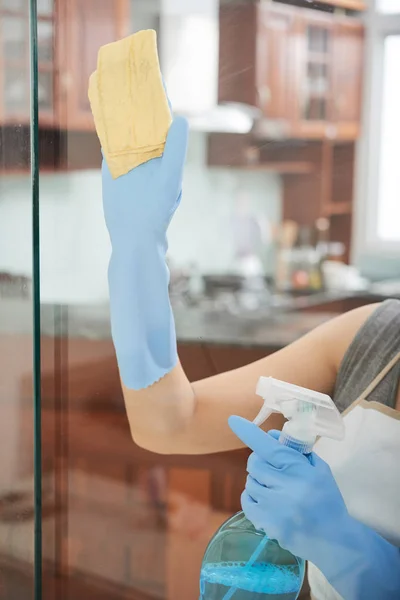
389,6
389,186
14,38
120,521
45,41
16,91
45,90
318,81
16,356
15,5
318,39
45,7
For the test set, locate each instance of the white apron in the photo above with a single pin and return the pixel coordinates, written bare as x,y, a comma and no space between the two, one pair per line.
366,466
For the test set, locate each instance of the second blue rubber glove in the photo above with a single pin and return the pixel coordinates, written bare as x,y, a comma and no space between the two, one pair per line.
138,208
295,500
292,497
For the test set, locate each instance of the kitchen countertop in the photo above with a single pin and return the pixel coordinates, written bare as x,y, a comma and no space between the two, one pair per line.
274,328
273,331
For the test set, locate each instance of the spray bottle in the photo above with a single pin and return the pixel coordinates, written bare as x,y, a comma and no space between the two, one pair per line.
241,562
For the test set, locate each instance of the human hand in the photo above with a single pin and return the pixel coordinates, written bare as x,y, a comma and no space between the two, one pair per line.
140,204
291,497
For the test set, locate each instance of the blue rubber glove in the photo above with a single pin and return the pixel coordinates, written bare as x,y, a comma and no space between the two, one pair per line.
295,500
138,208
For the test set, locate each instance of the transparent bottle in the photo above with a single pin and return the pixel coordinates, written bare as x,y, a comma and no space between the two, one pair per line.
245,564
241,562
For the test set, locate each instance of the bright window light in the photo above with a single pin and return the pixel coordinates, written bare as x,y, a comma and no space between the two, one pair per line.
389,171
389,6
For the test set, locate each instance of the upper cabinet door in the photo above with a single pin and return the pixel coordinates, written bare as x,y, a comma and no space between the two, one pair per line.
301,67
237,53
348,65
277,75
315,88
257,63
89,24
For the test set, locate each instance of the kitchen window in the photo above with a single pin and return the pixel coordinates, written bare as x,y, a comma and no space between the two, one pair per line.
379,175
388,206
389,6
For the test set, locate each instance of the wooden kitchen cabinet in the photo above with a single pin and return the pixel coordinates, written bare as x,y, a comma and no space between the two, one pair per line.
301,67
85,26
257,53
275,51
331,73
70,33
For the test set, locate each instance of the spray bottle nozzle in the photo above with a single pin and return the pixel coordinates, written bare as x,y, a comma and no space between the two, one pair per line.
310,414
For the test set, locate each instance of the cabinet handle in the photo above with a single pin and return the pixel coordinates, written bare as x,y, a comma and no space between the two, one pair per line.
264,94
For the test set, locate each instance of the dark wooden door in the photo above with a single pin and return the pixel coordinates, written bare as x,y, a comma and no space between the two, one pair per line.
237,61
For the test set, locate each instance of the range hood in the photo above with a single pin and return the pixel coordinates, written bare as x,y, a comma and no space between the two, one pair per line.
189,56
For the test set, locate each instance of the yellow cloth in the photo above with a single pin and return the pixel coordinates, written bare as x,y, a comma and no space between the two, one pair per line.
129,103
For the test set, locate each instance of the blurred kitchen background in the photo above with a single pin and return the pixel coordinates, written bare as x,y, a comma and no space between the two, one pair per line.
290,215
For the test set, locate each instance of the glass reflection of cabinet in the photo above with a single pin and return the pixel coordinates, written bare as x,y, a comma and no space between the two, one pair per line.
46,60
70,33
15,60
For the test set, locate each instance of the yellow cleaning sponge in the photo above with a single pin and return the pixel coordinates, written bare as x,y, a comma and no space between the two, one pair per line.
129,103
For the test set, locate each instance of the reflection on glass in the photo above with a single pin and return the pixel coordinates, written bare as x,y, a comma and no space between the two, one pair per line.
45,90
16,91
14,38
16,343
45,7
45,41
14,5
117,521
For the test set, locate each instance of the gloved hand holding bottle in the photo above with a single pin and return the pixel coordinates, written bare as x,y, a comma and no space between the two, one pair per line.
138,208
296,500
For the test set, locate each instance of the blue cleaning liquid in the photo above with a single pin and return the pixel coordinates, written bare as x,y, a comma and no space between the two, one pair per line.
261,580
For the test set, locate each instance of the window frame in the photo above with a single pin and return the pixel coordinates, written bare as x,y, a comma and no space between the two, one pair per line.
378,27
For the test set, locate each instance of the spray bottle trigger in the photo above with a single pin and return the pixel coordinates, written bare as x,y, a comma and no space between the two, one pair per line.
263,415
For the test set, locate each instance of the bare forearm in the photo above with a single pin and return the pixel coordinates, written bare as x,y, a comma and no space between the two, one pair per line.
174,416
177,417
